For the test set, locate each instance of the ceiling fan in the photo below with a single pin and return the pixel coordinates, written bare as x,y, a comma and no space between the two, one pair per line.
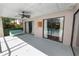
24,14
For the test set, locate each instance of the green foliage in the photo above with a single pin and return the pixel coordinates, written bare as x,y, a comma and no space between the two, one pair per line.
7,25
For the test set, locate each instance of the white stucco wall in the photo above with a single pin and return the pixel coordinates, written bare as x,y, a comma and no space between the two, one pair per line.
38,31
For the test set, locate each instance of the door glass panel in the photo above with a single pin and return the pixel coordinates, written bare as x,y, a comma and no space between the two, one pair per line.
53,28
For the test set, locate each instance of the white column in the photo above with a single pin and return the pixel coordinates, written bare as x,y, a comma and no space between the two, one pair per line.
27,27
61,29
24,26
1,33
45,28
1,28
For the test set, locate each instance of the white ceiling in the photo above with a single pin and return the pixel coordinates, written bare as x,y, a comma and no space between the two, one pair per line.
36,9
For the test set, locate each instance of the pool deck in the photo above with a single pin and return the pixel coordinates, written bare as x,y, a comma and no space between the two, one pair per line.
29,45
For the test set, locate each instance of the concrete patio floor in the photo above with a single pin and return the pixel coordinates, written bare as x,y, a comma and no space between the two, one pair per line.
29,45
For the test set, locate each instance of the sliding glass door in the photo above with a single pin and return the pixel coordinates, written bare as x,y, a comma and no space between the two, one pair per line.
53,28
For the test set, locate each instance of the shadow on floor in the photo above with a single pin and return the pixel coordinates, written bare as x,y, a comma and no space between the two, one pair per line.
15,49
48,47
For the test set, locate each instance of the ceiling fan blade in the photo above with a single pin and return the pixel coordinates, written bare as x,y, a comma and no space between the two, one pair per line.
26,12
28,16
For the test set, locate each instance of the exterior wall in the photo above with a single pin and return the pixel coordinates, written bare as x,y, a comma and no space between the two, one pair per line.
38,31
67,25
76,31
1,28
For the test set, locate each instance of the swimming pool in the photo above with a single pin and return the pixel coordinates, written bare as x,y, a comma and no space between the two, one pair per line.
15,32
